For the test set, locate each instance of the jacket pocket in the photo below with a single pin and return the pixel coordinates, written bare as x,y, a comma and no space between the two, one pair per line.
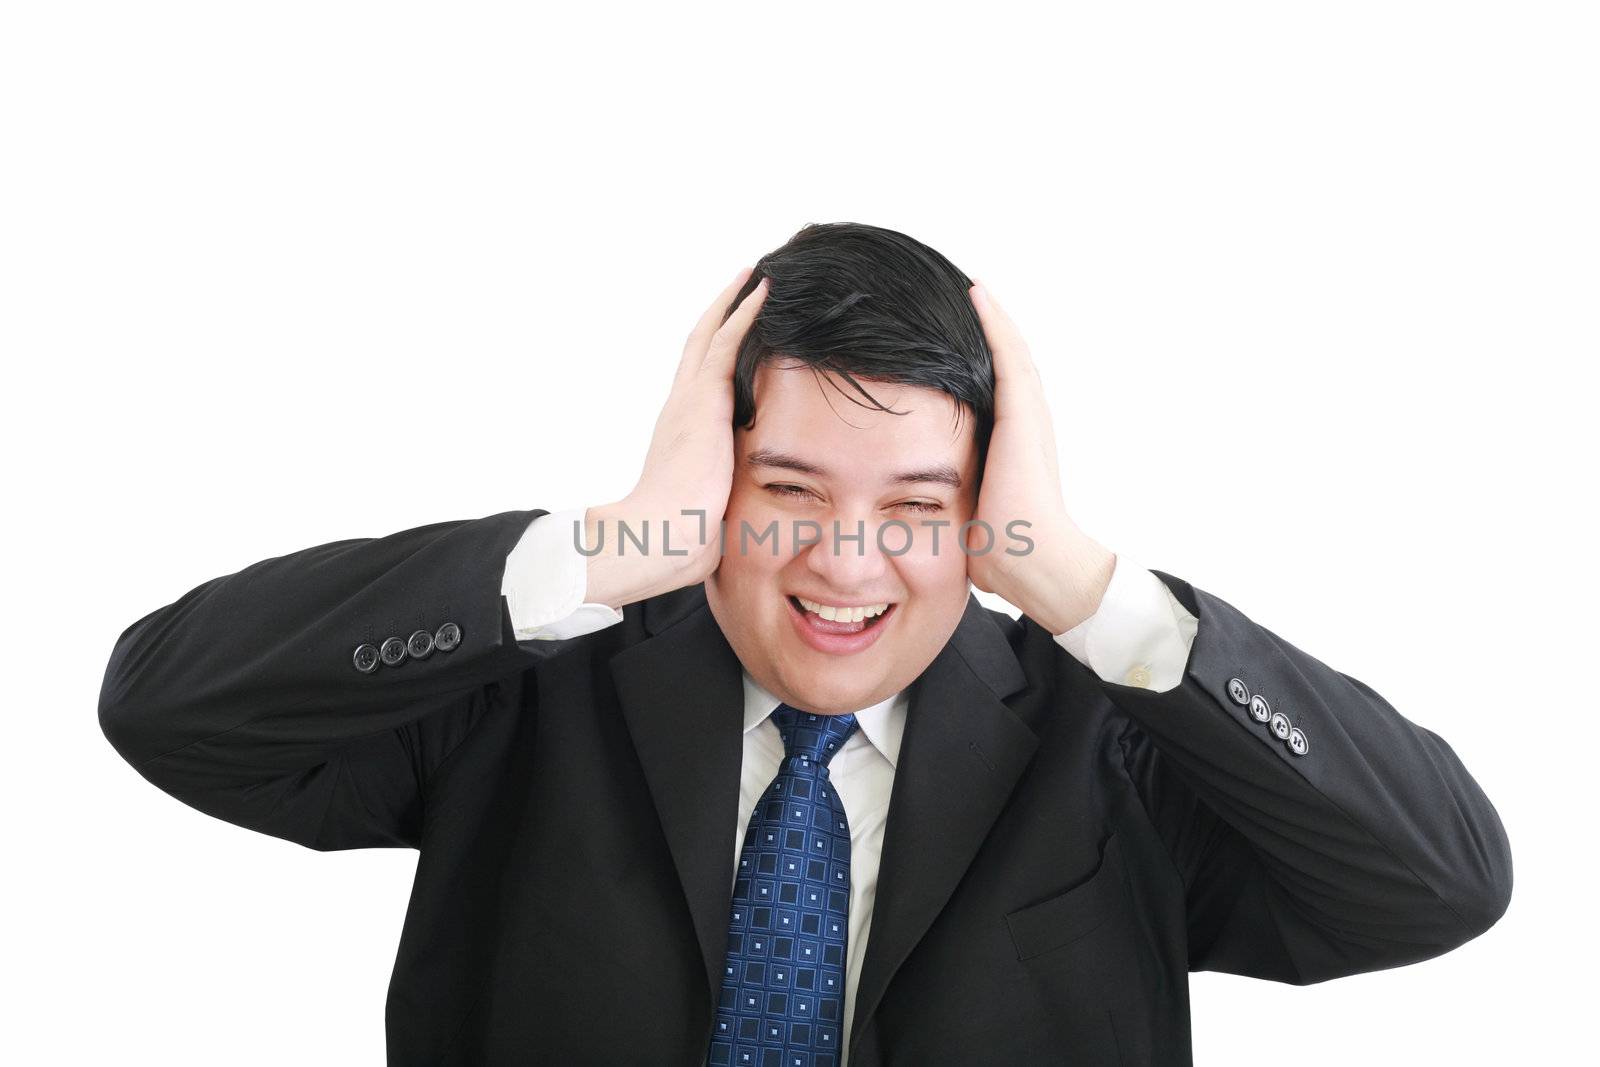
1064,918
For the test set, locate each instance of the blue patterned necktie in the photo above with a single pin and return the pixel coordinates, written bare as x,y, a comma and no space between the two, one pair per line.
782,999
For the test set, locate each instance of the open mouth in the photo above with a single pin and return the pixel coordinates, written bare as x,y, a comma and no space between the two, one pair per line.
840,625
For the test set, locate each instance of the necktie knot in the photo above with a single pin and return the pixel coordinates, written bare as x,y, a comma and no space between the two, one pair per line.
814,737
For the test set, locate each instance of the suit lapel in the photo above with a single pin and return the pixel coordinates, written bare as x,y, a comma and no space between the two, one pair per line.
960,758
682,695
962,752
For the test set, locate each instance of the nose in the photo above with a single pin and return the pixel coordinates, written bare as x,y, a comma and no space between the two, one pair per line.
851,565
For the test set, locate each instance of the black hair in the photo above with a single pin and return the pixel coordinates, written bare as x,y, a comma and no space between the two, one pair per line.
865,302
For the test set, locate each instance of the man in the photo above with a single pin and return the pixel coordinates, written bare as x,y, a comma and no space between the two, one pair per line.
737,770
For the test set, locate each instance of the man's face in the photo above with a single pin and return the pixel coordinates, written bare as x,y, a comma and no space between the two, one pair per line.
856,453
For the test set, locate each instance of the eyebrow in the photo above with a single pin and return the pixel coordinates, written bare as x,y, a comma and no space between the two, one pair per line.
939,473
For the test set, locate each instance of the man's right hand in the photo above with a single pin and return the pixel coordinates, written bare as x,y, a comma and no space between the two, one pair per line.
689,468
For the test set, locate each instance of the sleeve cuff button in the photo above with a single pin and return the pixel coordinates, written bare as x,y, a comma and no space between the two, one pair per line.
393,651
366,658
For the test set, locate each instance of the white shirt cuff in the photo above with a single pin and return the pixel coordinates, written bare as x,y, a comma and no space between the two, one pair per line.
546,578
1140,635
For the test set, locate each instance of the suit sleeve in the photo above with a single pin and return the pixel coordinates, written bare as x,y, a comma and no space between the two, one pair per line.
313,696
1319,832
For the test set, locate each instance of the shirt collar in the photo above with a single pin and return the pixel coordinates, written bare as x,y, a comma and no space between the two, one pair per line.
883,723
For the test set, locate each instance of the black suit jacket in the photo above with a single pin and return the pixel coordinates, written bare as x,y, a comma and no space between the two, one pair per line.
1060,851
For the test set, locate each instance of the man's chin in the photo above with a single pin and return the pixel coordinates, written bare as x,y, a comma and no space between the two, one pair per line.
813,681
826,696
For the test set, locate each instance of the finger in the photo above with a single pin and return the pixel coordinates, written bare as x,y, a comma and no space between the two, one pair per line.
717,366
1011,354
694,349
1019,392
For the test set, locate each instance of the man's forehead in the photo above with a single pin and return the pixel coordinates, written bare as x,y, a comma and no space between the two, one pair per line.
924,437
914,411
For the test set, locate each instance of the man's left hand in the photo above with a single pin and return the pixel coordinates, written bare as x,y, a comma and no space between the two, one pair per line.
1060,580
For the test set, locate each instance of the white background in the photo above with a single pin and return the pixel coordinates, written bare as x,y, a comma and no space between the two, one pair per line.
1311,286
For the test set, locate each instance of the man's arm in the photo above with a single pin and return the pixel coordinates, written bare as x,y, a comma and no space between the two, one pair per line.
1319,832
312,696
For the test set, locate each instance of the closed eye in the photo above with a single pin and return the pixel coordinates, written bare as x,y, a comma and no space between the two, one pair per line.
787,490
796,491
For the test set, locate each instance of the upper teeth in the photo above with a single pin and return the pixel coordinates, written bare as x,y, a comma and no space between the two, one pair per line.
855,614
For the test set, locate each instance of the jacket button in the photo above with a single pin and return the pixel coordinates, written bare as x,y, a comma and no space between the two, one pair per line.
1297,742
1280,726
447,637
1238,691
393,651
366,658
1260,710
420,644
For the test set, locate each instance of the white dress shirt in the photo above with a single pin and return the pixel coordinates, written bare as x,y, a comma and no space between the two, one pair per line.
1139,636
